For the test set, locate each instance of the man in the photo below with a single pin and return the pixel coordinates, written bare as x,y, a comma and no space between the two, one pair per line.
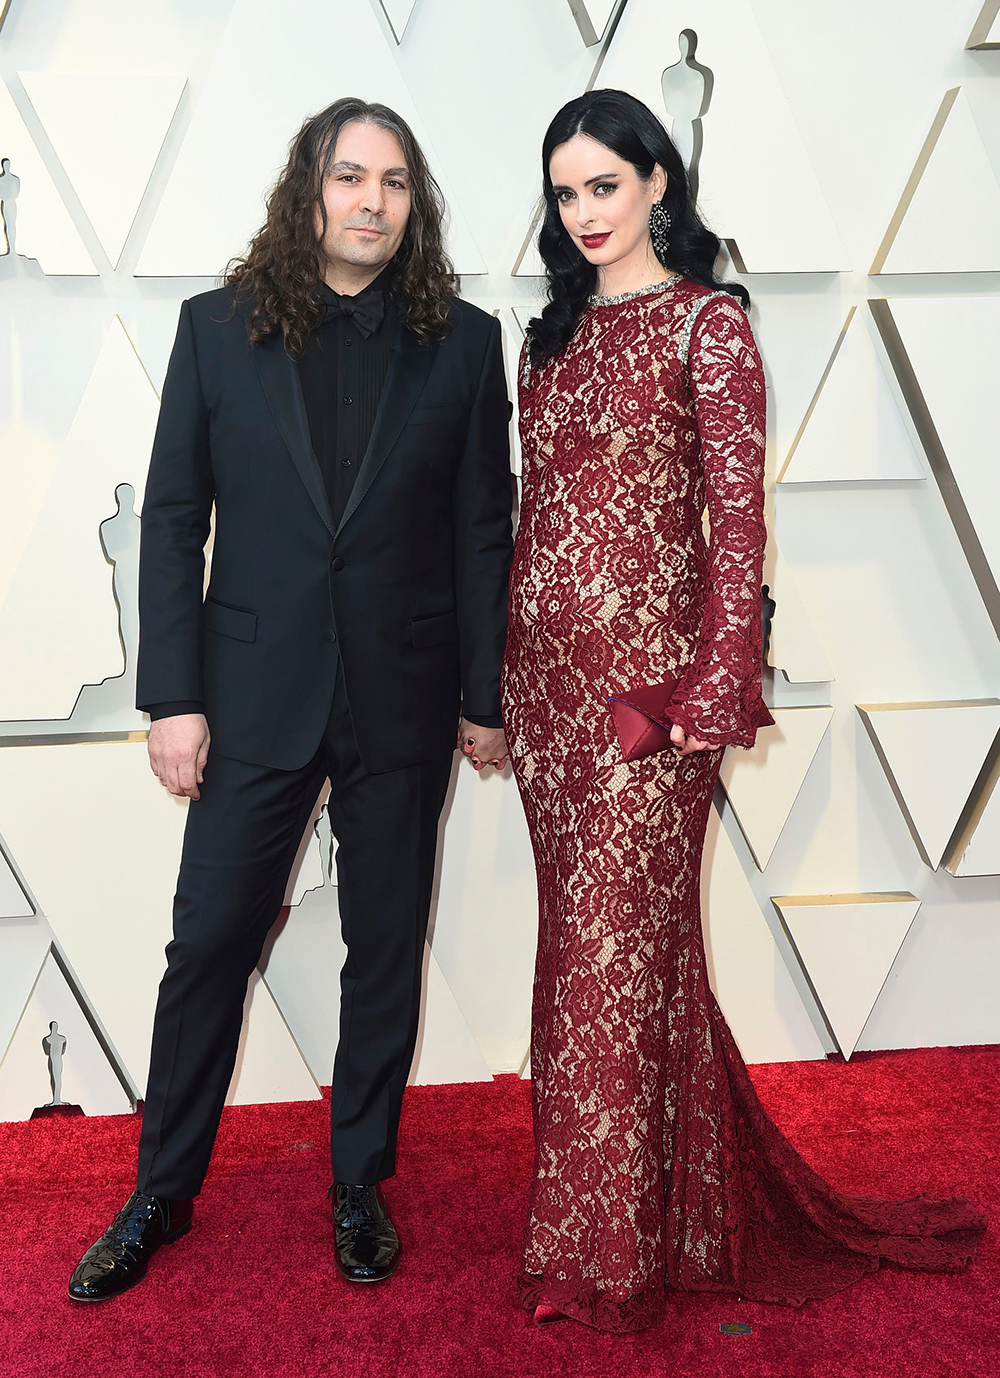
347,417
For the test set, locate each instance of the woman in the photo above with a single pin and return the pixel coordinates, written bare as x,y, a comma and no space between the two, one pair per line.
642,398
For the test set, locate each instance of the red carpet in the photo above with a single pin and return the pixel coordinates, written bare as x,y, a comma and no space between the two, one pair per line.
253,1290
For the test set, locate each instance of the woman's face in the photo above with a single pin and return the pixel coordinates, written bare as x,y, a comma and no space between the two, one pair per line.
603,202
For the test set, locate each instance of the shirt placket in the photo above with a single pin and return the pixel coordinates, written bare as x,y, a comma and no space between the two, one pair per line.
347,403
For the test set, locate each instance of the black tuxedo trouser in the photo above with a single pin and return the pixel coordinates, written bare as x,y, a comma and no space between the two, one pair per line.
239,845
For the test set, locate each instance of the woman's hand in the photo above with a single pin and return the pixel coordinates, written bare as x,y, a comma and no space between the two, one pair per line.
482,744
685,743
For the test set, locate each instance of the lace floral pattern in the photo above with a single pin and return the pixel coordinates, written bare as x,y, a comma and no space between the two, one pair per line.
655,1164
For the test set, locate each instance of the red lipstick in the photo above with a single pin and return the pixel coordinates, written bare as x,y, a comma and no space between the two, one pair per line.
594,241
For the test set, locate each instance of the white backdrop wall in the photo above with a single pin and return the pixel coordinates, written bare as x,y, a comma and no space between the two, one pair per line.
850,162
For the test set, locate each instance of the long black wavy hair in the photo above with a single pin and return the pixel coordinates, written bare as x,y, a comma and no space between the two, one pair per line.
279,276
630,129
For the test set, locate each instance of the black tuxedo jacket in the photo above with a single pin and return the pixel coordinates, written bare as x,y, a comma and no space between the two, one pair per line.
410,590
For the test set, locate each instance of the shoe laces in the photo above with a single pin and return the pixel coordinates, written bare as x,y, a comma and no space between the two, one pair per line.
358,1212
130,1221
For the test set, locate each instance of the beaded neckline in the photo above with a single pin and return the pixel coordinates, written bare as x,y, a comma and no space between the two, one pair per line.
636,292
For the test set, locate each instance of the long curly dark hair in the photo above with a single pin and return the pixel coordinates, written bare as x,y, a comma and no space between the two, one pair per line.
630,129
279,277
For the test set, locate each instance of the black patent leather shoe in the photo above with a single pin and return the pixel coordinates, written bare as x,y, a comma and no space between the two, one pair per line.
120,1257
367,1243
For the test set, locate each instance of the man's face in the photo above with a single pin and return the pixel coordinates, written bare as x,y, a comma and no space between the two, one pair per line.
366,195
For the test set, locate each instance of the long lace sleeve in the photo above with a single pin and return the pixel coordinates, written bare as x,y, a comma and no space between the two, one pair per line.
719,697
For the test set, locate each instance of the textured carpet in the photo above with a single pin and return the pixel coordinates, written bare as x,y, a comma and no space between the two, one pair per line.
253,1289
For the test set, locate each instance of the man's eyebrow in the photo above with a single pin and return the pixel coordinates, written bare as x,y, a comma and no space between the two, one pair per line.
343,165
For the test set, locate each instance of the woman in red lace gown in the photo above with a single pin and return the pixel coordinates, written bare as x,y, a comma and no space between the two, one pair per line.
642,401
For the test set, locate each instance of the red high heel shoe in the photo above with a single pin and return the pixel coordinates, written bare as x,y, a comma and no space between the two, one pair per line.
546,1314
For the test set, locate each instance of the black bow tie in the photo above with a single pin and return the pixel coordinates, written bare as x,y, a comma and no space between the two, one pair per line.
367,311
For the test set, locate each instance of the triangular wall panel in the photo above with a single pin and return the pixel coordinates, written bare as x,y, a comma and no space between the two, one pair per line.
592,18
794,647
214,204
59,626
269,1065
45,229
398,14
14,903
976,851
89,1080
23,949
932,754
948,218
446,1050
485,915
762,784
948,382
780,225
512,336
310,869
853,429
986,30
98,840
748,974
107,130
847,945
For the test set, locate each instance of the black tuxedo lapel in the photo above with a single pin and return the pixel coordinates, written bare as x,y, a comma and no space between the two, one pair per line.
279,376
410,364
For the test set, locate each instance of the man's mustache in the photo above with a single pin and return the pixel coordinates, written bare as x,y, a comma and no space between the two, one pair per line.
381,225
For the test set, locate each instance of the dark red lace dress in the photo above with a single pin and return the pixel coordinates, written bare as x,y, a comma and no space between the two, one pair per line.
655,1166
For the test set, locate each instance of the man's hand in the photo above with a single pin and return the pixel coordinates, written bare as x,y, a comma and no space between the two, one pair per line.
687,744
482,744
178,750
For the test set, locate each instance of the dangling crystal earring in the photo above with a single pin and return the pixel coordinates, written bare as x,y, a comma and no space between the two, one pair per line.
659,229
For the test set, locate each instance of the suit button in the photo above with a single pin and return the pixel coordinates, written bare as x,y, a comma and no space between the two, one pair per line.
337,563
331,636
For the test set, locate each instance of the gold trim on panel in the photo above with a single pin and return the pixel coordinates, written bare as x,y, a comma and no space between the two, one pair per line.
974,804
73,739
980,36
930,703
862,897
815,397
919,168
965,828
937,457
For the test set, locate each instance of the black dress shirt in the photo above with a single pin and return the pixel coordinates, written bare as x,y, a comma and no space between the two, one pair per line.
342,371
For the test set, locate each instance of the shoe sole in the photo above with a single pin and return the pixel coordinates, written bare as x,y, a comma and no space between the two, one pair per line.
110,1296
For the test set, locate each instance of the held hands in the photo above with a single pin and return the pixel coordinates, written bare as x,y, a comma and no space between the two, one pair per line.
687,744
482,744
178,750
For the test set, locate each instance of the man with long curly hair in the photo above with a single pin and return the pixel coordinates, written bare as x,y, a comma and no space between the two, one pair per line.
346,417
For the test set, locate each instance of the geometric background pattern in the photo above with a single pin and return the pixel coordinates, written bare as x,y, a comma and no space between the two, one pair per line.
852,870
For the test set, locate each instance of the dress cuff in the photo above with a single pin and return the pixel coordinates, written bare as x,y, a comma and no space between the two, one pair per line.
483,720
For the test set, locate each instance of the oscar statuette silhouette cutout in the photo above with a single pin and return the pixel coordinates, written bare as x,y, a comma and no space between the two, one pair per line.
687,94
54,1047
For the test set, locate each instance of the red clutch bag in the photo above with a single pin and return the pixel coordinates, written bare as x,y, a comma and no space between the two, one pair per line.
641,720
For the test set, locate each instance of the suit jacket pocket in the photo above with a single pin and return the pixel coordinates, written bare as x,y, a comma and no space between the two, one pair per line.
443,414
434,631
238,623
